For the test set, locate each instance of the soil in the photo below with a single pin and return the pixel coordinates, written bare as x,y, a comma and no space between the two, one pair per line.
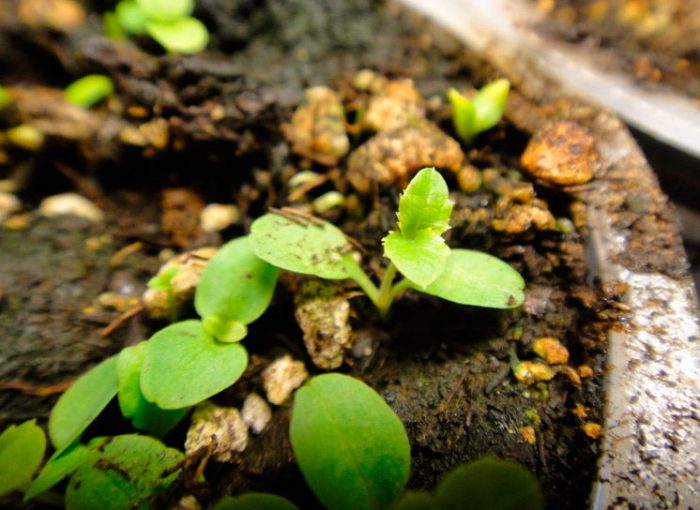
656,42
445,369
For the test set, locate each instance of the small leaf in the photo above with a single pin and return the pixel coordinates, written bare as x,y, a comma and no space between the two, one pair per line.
144,415
255,501
123,472
425,205
490,484
236,287
131,17
89,90
83,401
350,446
478,279
21,452
420,259
5,98
61,464
166,10
184,35
490,103
300,246
184,365
164,279
463,115
416,501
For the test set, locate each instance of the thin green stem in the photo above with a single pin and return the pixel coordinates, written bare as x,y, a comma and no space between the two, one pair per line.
356,273
384,299
401,286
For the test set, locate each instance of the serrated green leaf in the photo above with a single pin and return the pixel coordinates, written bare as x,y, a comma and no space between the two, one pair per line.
420,259
490,103
166,10
255,501
89,90
84,400
300,246
490,484
425,205
236,287
144,415
350,446
416,501
21,452
184,365
61,464
184,35
463,115
478,279
131,17
123,472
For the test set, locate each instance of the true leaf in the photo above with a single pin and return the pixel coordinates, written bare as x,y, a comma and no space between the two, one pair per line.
166,10
144,415
490,484
131,17
478,279
490,103
420,259
184,35
350,446
255,501
123,472
298,245
89,90
61,464
425,205
236,286
83,401
184,365
21,452
463,115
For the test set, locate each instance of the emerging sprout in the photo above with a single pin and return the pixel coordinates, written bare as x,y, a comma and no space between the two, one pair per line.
5,98
89,90
21,452
482,112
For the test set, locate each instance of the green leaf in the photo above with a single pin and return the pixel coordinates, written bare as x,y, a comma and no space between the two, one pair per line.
490,484
21,452
5,98
61,464
350,446
235,289
301,246
463,115
490,103
420,259
425,205
123,472
478,279
255,501
184,35
164,279
83,401
184,365
89,90
131,17
416,501
144,415
166,10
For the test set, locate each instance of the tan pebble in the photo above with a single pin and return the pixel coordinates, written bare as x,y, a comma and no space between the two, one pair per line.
282,377
26,136
563,153
528,434
399,103
592,430
585,371
61,15
528,372
551,350
220,430
363,79
519,218
18,221
215,217
469,179
188,502
70,204
9,204
256,413
155,133
572,375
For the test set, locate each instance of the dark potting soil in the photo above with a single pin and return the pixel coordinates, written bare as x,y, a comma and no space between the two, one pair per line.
445,369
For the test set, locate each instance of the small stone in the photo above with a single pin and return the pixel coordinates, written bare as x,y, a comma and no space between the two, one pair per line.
256,413
563,153
398,104
551,350
528,372
9,204
70,204
572,374
528,434
592,430
220,430
394,156
216,217
18,221
26,136
519,218
155,133
323,314
585,371
282,377
188,502
469,179
61,15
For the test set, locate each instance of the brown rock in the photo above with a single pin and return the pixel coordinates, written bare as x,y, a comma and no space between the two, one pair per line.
563,153
396,105
551,350
220,430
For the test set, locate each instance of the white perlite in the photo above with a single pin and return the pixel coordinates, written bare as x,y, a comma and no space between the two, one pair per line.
256,413
282,377
9,204
215,217
72,204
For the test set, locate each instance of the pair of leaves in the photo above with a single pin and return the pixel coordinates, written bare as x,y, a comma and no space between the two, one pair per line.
482,112
21,452
350,446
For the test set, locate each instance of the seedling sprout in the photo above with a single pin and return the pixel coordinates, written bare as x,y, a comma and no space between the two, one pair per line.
480,113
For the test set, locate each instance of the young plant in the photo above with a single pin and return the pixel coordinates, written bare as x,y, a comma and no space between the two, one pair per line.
89,90
21,452
480,113
304,244
5,98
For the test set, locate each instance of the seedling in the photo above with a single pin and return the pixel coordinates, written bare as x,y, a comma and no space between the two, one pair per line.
89,90
480,113
21,452
297,242
5,98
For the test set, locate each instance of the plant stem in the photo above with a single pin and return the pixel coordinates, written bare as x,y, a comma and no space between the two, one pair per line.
356,273
400,287
385,298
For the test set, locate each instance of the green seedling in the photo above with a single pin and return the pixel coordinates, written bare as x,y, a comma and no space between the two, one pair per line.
89,90
5,98
480,113
21,453
350,446
61,464
297,242
164,282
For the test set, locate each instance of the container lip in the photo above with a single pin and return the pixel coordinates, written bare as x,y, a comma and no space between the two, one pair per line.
663,114
649,454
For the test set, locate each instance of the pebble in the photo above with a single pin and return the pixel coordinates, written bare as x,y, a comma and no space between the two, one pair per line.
216,217
551,350
187,502
220,430
282,377
592,430
397,104
256,413
528,372
9,204
26,136
563,153
469,179
70,204
61,15
155,133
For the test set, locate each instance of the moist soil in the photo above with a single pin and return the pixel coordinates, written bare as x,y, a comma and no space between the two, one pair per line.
445,369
